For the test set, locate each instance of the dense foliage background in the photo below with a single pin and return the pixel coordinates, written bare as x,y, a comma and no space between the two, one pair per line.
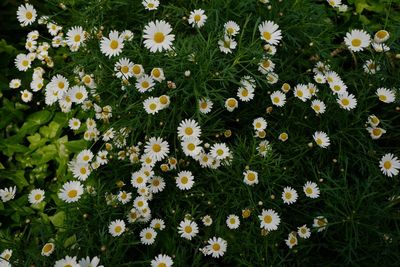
360,203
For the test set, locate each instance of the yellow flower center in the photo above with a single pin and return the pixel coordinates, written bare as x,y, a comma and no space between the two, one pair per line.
345,102
79,95
125,69
118,229
336,87
25,63
376,131
267,218
216,247
87,79
319,141
38,196
203,105
309,190
288,195
72,193
148,235
189,131
387,165
230,31
47,248
188,229
139,180
184,180
317,108
267,36
251,176
156,148
136,69
163,99
292,240
191,146
29,15
83,170
232,221
266,64
114,44
220,152
231,103
245,92
197,17
162,265
156,182
356,42
159,37
276,99
77,38
381,34
153,106
382,98
299,93
156,73
61,85
145,84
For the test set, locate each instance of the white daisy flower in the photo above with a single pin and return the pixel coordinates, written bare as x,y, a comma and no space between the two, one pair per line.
304,231
291,241
389,165
381,36
152,105
334,3
357,40
283,136
207,220
22,62
67,261
278,98
157,148
245,93
116,228
216,247
26,14
157,224
188,229
157,184
86,262
318,106
373,120
233,221
78,94
157,74
15,83
205,105
370,67
319,78
47,249
332,76
37,84
197,18
127,35
231,28
250,177
259,124
320,222
140,203
347,101
338,87
113,45
137,70
375,132
75,37
289,195
157,36
71,191
386,95
380,47
227,44
266,66
36,196
191,146
124,197
189,128
220,151
270,32
26,96
138,179
162,260
151,4
184,180
321,139
301,92
123,68
144,84
231,104
270,220
8,194
311,190
148,236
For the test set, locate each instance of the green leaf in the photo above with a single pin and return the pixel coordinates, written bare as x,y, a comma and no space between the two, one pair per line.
70,241
50,131
76,146
33,122
44,154
58,219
